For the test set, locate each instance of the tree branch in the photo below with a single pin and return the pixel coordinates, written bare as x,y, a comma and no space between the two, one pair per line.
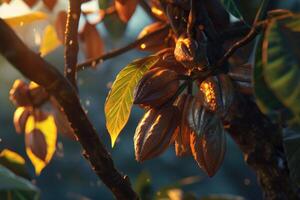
262,145
71,41
94,61
36,69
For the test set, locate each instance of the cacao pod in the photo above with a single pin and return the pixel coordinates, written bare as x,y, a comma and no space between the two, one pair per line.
190,53
157,41
218,94
155,132
19,93
209,150
156,87
167,60
199,118
182,138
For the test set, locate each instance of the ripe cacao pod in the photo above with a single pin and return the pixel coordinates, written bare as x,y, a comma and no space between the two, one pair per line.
199,118
19,93
218,94
167,60
155,132
157,41
182,137
209,150
156,87
190,53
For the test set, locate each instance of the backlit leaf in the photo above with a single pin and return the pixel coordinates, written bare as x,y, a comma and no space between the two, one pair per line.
60,25
14,162
125,8
49,41
93,44
120,99
20,117
281,63
25,19
30,3
16,187
50,4
47,127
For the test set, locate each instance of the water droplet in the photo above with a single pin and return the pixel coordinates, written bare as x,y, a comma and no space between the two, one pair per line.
70,42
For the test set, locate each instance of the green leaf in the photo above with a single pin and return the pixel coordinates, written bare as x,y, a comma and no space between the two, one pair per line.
265,99
281,62
292,150
14,187
231,7
120,99
14,162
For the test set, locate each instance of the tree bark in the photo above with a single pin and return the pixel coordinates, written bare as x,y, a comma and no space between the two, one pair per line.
38,70
261,143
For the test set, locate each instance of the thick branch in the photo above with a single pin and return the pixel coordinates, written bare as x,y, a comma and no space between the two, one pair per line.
36,69
94,61
261,143
71,40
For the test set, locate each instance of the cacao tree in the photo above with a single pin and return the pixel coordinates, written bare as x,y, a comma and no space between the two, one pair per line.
212,70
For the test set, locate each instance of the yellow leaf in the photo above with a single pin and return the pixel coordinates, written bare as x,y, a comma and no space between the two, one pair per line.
12,156
49,41
119,100
25,19
49,130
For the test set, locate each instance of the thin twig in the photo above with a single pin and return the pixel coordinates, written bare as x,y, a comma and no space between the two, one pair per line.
94,61
71,41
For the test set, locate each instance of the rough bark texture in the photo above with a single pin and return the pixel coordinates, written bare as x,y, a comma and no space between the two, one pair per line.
261,143
36,69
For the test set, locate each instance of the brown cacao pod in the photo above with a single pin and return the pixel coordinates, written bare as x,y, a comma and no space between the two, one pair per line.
156,87
199,118
155,132
209,150
167,60
182,137
185,50
19,93
218,94
155,42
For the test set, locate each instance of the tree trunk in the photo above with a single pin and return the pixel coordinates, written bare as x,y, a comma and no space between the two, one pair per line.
261,143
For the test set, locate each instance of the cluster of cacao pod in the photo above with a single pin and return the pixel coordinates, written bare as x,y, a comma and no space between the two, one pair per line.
33,100
194,123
